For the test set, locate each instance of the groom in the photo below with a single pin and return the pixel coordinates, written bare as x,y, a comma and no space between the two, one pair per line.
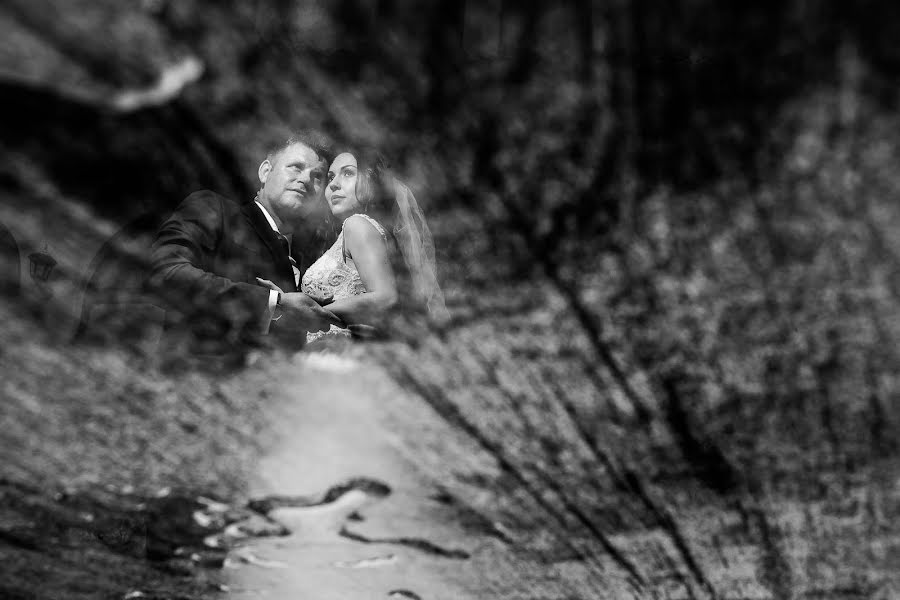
214,261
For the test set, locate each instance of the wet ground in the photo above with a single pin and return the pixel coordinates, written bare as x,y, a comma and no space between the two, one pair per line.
419,540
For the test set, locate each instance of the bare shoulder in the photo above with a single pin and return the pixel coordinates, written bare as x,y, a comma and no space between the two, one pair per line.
363,229
362,236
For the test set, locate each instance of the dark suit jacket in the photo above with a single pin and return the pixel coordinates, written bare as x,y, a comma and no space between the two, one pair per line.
205,261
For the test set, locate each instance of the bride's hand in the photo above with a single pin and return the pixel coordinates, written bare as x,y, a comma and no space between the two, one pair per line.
301,311
323,300
320,300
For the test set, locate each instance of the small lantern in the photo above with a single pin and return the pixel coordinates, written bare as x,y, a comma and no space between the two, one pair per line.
41,265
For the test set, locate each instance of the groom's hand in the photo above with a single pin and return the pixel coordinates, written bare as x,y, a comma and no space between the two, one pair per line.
302,312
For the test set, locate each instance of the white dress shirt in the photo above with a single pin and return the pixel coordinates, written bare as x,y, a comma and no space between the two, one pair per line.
273,295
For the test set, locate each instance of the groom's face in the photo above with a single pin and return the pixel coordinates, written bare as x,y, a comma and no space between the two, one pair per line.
292,182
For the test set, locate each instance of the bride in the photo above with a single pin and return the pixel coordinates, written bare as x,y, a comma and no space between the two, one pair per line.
384,254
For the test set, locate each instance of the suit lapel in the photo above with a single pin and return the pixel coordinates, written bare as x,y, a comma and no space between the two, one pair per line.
270,239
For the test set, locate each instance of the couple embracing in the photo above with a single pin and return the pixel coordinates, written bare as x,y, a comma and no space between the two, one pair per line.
332,245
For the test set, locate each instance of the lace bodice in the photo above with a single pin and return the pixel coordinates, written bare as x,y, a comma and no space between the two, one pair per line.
334,274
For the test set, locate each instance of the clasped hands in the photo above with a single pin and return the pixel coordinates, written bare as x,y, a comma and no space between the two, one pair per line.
302,312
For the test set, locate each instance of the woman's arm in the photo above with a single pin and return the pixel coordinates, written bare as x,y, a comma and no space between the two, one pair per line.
369,252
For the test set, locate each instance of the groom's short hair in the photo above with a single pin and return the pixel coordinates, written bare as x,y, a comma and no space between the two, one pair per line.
317,141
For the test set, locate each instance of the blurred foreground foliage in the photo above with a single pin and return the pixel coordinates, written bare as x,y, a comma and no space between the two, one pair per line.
666,233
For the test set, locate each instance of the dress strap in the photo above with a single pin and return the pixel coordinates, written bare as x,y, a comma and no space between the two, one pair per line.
374,223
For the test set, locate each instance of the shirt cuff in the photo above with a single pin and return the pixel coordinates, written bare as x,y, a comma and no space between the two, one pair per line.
269,315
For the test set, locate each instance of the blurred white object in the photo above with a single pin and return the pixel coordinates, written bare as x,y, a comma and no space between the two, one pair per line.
172,80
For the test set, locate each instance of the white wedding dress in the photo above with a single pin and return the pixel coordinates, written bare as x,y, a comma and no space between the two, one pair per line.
334,274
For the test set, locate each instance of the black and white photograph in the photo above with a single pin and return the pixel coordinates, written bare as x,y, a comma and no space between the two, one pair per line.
449,300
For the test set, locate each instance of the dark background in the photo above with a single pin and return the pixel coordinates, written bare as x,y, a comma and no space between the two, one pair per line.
671,226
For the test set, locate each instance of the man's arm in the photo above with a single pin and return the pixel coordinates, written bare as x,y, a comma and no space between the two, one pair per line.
181,257
301,313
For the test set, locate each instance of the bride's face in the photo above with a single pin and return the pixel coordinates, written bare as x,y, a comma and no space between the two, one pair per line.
340,191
